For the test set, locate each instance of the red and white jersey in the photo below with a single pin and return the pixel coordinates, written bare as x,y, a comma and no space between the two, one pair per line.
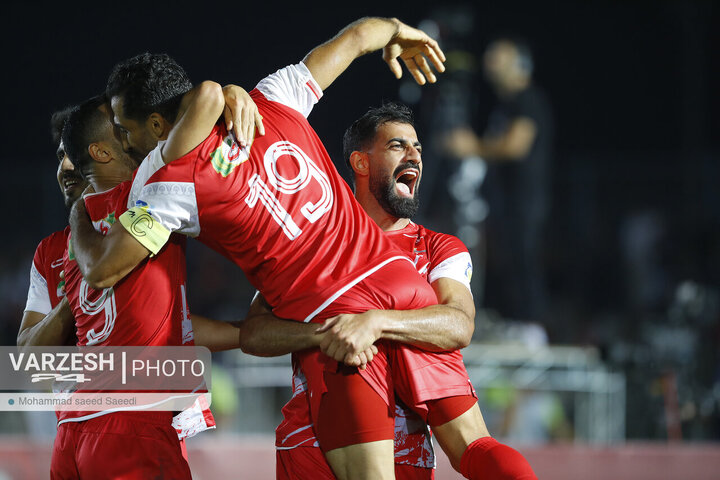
436,255
147,307
46,287
278,208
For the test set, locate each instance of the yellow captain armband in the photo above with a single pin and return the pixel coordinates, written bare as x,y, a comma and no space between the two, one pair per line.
145,229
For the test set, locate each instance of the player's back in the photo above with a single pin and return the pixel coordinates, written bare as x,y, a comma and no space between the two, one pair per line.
278,209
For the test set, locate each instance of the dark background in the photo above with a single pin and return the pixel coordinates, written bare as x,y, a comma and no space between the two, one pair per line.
634,91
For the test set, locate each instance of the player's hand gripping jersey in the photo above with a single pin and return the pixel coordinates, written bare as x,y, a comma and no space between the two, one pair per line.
277,208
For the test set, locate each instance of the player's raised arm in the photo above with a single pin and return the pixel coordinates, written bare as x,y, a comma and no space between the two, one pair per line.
199,112
398,41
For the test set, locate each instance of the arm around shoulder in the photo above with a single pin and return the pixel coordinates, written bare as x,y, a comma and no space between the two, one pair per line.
103,259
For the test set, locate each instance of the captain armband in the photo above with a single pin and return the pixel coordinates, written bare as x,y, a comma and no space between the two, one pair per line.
145,229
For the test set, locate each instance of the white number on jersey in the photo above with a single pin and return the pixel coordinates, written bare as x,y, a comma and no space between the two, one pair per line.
307,170
103,304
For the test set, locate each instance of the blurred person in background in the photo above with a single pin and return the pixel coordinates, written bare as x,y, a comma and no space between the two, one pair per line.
517,145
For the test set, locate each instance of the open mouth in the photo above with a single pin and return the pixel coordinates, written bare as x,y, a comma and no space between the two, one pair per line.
405,182
70,183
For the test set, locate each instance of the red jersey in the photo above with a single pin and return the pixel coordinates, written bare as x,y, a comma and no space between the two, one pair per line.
147,307
436,255
45,290
278,208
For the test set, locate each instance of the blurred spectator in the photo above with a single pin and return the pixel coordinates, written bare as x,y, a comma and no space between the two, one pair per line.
517,144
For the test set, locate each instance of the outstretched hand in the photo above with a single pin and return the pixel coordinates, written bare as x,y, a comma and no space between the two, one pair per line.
241,115
414,47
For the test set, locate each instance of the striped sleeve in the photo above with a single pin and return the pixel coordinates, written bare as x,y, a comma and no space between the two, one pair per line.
293,86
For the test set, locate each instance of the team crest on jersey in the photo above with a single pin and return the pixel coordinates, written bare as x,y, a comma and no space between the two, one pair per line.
103,226
228,156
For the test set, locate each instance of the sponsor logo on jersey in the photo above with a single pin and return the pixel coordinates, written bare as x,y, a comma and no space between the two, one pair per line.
228,156
468,271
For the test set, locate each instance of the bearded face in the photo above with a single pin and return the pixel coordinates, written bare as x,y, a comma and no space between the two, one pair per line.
397,190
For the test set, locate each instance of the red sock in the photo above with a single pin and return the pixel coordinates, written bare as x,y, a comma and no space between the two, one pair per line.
488,459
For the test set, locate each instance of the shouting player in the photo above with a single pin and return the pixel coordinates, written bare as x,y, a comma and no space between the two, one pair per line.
279,210
381,147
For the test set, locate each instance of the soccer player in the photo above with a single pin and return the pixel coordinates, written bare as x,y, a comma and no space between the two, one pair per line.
148,308
47,319
280,211
380,148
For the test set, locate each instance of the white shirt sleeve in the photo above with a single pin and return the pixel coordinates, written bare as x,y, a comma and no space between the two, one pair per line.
151,164
38,299
293,86
458,267
172,204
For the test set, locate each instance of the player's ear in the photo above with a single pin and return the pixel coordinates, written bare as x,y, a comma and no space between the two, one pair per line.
359,163
158,125
99,152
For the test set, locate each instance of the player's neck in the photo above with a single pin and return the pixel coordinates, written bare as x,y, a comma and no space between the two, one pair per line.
103,183
382,218
390,223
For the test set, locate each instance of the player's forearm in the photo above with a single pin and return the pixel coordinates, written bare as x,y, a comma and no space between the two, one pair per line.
103,260
216,335
87,245
55,328
434,328
265,335
327,61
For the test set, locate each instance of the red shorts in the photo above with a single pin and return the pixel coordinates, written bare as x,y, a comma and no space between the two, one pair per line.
416,375
308,463
127,445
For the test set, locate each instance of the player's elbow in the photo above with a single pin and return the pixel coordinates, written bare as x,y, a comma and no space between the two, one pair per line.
464,332
210,95
464,337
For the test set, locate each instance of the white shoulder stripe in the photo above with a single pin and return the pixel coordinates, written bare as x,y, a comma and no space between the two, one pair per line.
458,267
293,86
152,163
38,297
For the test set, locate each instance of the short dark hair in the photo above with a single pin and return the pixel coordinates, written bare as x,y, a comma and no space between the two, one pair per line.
83,127
363,130
57,122
147,83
